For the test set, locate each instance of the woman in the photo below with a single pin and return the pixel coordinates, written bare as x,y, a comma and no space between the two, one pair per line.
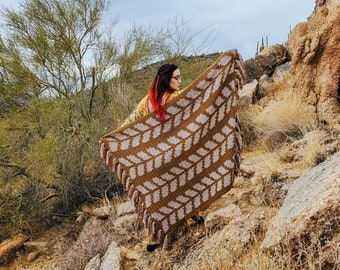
164,87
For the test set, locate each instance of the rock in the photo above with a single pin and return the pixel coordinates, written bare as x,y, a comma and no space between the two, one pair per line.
249,89
96,236
112,258
239,232
125,224
256,196
247,170
125,208
232,238
247,95
94,263
222,216
280,72
33,255
315,65
277,192
265,82
265,62
311,206
101,212
82,217
244,102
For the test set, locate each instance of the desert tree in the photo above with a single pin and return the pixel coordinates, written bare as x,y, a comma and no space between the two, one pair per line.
54,55
181,38
60,45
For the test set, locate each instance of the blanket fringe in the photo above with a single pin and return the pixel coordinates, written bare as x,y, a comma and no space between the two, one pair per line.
166,242
145,217
135,198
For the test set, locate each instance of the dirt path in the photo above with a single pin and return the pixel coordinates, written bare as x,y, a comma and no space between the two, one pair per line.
46,250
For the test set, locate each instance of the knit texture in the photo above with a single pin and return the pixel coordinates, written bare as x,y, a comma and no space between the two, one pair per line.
176,169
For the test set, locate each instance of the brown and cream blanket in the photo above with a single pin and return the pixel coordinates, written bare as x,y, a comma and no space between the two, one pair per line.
175,169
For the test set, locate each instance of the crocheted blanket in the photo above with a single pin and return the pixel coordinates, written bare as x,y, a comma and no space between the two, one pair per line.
175,169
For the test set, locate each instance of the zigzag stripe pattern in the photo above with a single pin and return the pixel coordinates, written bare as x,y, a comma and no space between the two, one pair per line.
175,169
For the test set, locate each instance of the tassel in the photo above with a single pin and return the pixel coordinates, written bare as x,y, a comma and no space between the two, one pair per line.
131,189
153,229
118,170
135,197
127,183
150,224
124,177
107,158
159,235
145,217
166,242
102,148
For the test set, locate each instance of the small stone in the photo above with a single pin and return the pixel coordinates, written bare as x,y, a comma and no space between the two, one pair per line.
130,254
222,216
94,263
33,255
246,170
101,212
125,208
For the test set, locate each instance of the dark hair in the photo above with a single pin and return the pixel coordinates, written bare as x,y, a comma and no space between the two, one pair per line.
159,86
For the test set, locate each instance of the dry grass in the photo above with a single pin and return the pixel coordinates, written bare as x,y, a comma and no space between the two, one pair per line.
284,118
291,255
314,151
276,88
249,132
288,116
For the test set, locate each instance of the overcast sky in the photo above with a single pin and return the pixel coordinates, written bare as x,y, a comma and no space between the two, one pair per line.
233,24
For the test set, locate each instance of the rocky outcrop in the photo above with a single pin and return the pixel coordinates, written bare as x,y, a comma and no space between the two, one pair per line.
312,59
265,62
237,233
315,69
311,208
112,258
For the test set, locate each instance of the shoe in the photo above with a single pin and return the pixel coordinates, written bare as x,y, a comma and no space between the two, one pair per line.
199,220
152,247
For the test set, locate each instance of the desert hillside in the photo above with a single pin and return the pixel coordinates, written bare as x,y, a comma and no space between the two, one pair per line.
283,211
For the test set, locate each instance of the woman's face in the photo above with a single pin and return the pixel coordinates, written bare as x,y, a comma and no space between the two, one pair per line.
175,81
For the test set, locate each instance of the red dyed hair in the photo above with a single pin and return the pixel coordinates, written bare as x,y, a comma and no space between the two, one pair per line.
158,87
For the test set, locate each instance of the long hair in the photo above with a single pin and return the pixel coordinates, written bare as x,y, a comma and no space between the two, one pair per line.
159,86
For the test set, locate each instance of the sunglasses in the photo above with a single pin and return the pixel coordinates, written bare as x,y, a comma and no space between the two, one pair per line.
177,78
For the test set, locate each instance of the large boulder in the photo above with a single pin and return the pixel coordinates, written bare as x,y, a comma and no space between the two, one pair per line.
315,68
311,209
265,62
